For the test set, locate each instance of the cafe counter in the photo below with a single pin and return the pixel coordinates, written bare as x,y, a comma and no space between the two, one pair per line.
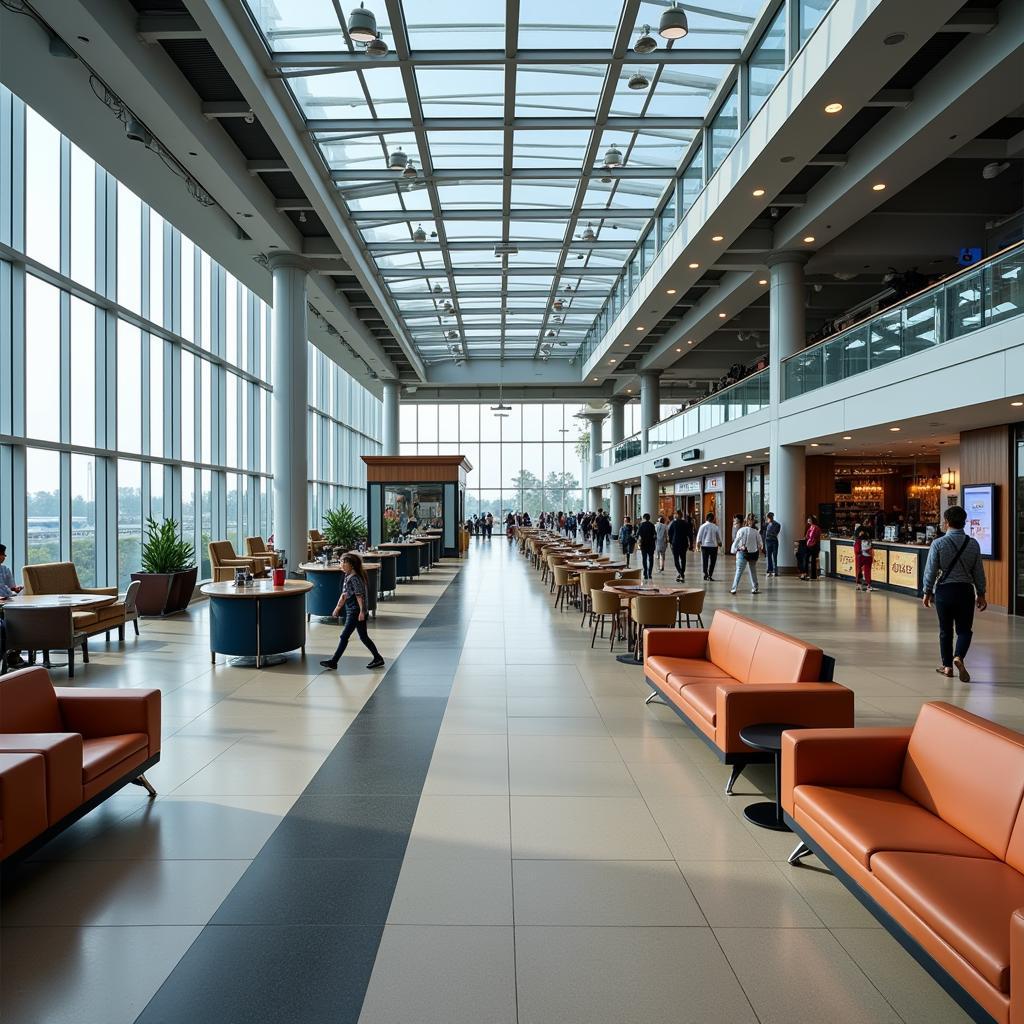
898,567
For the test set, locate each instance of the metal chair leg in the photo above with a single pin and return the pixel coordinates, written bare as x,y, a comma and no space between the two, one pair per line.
737,771
146,785
802,850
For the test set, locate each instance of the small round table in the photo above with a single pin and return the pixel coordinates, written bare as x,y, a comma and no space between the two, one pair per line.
767,736
635,588
259,623
411,557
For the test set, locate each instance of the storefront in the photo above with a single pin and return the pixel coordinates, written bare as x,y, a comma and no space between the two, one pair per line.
688,498
713,497
757,497
666,500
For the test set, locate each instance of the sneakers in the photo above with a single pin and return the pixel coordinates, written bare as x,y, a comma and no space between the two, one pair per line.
376,663
679,579
330,664
870,590
733,591
756,591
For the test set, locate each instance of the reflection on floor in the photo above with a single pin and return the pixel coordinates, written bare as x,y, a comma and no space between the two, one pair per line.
572,856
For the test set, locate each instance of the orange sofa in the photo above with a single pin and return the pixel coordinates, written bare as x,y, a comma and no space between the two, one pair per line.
739,673
926,827
86,743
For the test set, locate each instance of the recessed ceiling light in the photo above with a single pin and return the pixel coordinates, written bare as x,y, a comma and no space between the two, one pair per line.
670,291
808,239
894,430
717,238
629,391
879,186
689,342
1017,405
611,360
639,328
847,437
758,192
764,280
694,266
625,344
721,316
833,108
814,444
748,456
679,350
595,379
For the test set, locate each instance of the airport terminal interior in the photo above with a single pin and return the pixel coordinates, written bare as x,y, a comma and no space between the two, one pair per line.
512,512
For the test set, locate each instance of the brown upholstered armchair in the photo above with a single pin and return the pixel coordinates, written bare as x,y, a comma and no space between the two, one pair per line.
62,578
224,562
316,543
256,547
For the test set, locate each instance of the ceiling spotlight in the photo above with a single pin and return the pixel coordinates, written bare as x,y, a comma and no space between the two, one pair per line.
638,81
613,157
438,290
302,216
694,266
640,328
1017,405
646,43
249,117
690,342
808,239
362,25
673,22
847,437
589,235
763,281
376,48
397,159
878,187
551,334
452,335
717,238
994,169
721,316
419,235
833,108
567,288
558,304
894,430
758,192
409,171
137,131
670,291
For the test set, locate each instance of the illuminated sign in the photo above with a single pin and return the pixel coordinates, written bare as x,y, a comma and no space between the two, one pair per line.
845,565
714,483
880,565
903,567
980,504
688,486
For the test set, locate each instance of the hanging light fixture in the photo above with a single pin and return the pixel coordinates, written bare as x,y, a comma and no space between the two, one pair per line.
646,43
638,81
551,334
589,235
397,159
453,335
613,157
438,290
376,48
419,235
558,304
362,25
673,22
409,170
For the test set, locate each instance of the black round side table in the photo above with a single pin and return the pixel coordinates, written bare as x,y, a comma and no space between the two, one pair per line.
768,736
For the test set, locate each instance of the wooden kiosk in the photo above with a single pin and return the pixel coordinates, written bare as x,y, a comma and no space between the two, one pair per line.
428,491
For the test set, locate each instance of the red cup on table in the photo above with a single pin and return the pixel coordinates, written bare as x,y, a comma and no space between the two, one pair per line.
279,577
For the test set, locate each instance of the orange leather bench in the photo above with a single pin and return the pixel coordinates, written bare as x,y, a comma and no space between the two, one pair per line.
926,827
739,673
63,751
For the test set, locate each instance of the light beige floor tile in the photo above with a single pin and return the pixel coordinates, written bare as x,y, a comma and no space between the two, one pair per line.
736,894
901,980
585,828
460,827
702,828
591,725
79,975
603,893
550,707
570,778
651,750
442,975
619,975
679,778
252,776
467,772
471,891
802,976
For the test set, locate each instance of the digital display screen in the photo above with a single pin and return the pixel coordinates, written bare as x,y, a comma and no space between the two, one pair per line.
980,505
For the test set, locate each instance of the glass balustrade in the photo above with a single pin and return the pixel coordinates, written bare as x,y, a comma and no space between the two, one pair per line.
982,295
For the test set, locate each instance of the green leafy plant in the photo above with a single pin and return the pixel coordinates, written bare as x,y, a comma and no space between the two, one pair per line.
582,445
343,528
165,550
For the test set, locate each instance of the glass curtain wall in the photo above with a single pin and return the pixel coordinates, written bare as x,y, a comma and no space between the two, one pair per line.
134,373
525,461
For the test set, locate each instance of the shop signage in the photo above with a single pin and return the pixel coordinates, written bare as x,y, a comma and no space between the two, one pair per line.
880,565
714,483
844,560
661,463
903,569
980,503
688,486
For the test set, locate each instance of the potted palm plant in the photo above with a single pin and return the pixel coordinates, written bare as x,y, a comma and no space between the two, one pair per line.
343,528
169,570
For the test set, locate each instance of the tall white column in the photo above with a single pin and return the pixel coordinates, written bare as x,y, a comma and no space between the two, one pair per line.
649,495
650,405
618,498
595,499
288,436
390,432
787,334
618,419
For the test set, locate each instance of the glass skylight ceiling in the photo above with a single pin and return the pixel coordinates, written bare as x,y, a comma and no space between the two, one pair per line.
508,150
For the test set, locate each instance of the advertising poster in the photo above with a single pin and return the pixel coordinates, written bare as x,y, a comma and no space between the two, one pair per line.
845,565
880,565
903,569
979,502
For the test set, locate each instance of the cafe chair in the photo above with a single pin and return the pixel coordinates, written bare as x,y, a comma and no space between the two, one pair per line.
131,613
604,605
691,606
629,574
316,543
224,562
62,578
567,583
592,579
652,610
44,629
256,547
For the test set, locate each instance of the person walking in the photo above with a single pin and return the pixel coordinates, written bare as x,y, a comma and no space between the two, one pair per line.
772,532
863,556
954,581
813,540
747,547
661,541
647,538
353,603
602,530
627,539
709,540
680,536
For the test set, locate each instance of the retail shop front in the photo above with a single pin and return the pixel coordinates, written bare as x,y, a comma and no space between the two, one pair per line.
688,498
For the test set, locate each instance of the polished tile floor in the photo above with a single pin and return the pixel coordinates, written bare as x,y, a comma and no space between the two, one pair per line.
520,837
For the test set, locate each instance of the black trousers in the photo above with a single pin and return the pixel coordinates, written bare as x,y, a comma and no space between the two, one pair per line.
812,562
709,559
954,603
679,557
647,560
353,625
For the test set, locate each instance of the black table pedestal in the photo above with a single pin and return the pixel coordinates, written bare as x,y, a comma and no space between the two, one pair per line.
768,737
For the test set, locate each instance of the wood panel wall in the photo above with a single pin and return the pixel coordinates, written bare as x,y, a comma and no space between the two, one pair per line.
985,458
413,469
820,484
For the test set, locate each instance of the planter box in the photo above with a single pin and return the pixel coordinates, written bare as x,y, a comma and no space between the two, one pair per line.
165,593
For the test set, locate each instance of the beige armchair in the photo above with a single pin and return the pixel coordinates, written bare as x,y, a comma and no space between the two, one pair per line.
316,543
224,562
62,578
255,547
44,629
